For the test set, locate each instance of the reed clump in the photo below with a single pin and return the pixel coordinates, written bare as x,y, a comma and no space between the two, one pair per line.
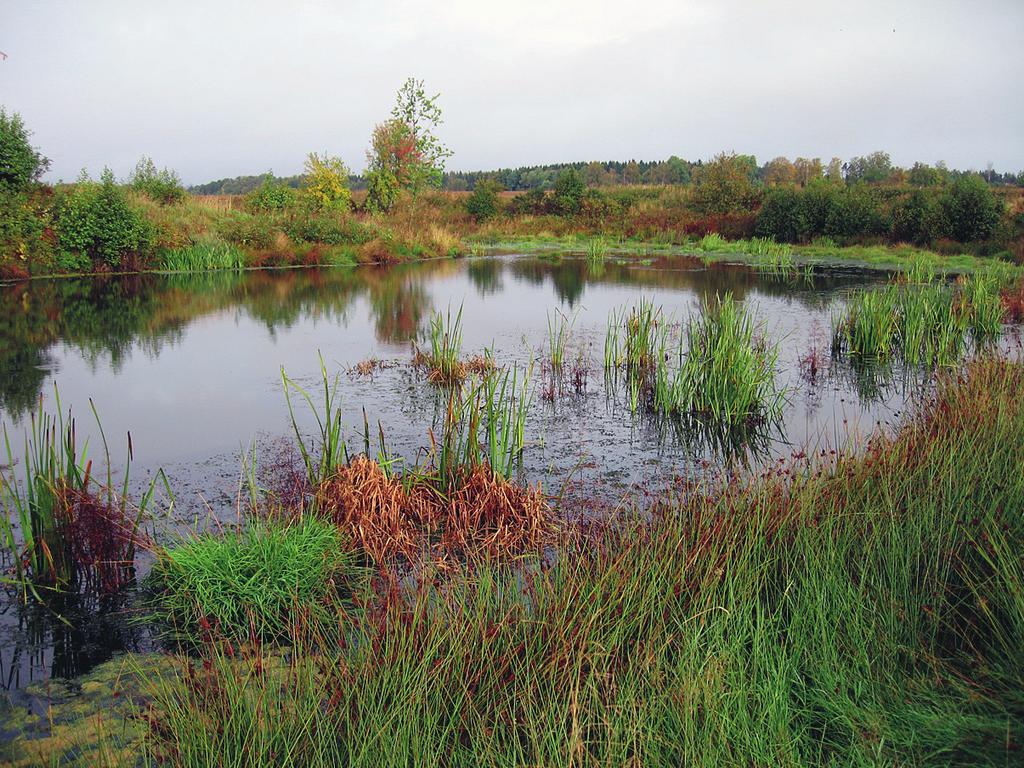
61,529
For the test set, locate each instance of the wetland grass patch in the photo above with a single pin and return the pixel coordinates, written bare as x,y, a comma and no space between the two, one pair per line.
862,610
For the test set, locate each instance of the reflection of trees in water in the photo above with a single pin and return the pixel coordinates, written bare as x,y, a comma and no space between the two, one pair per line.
570,275
77,633
485,274
107,319
398,308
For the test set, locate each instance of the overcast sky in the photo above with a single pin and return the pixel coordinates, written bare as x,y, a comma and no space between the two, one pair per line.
217,89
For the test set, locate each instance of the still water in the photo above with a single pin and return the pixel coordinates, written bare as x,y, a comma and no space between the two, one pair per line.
191,367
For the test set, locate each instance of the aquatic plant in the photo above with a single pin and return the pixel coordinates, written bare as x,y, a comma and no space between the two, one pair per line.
597,250
870,325
445,337
60,527
559,327
728,370
328,450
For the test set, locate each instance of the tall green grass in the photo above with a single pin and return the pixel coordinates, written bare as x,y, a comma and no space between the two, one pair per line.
866,612
251,584
728,370
204,255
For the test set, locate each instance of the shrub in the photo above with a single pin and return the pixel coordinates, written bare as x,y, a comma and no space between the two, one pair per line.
20,163
781,216
163,186
724,185
569,189
970,211
483,204
326,183
382,189
270,196
330,230
248,231
95,222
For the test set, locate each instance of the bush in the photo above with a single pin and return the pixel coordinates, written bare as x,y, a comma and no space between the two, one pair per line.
970,210
382,189
781,216
23,221
246,230
326,183
20,163
569,189
330,230
483,204
95,222
163,186
270,196
534,202
724,185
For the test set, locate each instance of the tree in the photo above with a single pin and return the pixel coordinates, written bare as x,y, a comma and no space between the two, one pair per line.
483,202
631,173
835,170
326,182
163,186
20,163
678,170
593,174
779,171
873,168
970,209
806,171
96,222
923,175
569,189
724,184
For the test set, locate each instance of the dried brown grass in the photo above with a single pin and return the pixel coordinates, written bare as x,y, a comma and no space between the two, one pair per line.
481,515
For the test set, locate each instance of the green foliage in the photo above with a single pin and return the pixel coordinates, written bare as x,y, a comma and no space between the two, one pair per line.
871,169
270,196
382,190
163,186
248,230
326,183
568,192
255,583
482,204
204,254
404,151
421,115
97,224
970,209
20,163
724,184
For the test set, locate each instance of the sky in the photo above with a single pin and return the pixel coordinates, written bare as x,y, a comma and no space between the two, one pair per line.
217,89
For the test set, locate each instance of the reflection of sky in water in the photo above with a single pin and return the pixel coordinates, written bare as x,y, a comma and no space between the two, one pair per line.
198,388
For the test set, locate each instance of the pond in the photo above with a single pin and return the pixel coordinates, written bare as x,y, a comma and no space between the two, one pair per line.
191,367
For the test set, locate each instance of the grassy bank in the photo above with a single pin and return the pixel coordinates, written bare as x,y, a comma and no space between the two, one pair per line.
216,232
840,610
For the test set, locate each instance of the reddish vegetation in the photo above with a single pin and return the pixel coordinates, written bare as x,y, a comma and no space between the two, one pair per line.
100,538
389,517
1013,302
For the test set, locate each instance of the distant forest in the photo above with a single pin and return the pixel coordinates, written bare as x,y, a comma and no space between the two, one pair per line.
873,168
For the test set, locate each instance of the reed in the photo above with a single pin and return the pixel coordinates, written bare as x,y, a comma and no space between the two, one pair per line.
597,251
728,371
328,450
204,255
61,529
445,337
559,328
